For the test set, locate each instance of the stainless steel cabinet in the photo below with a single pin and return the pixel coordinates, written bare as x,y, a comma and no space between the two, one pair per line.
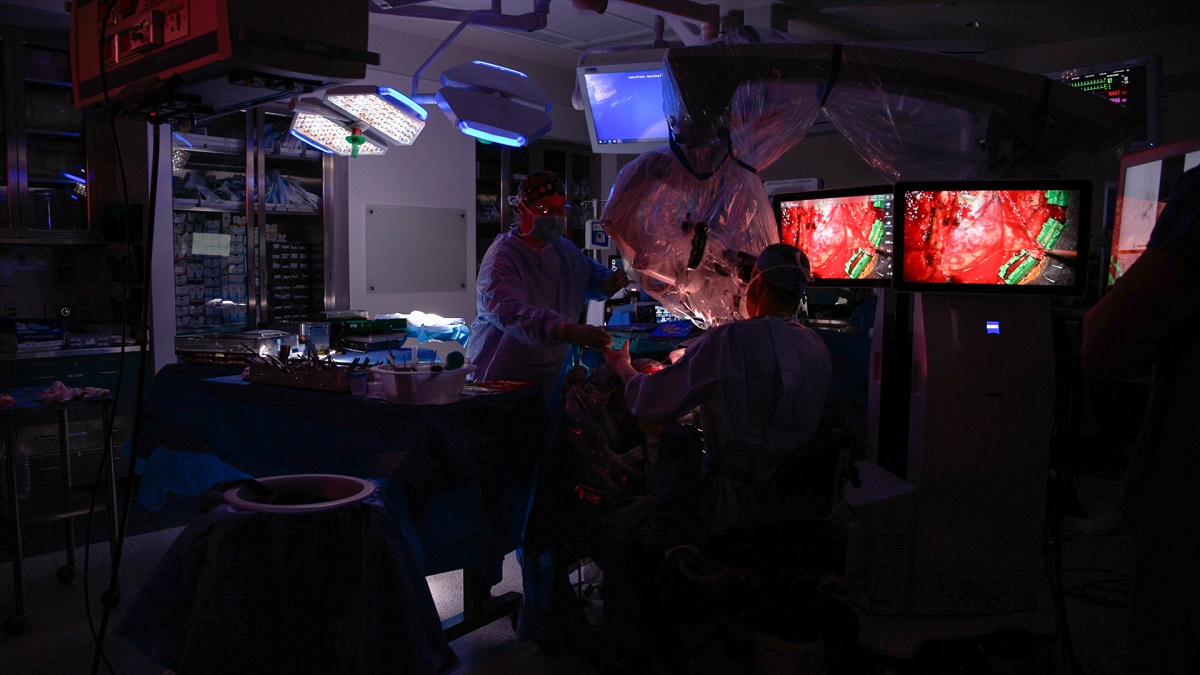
37,436
40,466
249,208
43,187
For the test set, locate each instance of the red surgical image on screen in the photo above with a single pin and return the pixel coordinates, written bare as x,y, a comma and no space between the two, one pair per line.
844,237
990,236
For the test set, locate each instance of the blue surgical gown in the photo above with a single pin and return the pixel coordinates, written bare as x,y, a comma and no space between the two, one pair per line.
523,295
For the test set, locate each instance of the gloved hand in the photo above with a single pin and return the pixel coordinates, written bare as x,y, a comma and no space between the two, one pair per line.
583,334
619,361
614,282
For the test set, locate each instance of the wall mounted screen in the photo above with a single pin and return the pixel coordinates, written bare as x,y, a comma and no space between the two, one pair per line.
1144,181
1132,82
623,104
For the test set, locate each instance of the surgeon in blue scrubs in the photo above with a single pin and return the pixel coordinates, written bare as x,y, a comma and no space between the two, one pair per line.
533,287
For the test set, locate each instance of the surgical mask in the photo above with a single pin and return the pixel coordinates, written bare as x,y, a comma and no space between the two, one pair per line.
548,228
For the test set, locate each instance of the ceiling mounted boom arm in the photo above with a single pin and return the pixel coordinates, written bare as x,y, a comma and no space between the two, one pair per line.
484,100
705,15
493,18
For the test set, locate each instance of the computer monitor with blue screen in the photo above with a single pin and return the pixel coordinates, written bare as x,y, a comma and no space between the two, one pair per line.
623,104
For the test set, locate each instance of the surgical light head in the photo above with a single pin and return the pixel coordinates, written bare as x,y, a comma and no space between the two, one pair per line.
326,130
494,103
386,110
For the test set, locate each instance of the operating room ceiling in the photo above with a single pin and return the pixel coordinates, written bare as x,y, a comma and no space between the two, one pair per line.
963,26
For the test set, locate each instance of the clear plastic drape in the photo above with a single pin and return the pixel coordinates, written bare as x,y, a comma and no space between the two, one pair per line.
688,218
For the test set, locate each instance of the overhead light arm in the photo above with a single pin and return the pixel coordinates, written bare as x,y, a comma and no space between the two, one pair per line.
416,79
687,15
482,99
692,21
492,18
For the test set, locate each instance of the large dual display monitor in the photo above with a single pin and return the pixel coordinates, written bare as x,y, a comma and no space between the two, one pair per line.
947,386
1013,237
949,409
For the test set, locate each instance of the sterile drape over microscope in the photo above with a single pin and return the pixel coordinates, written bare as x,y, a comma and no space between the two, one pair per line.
689,217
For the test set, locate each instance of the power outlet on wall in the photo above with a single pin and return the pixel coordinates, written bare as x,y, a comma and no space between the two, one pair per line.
10,310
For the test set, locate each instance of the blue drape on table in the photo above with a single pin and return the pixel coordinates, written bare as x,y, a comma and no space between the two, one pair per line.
463,470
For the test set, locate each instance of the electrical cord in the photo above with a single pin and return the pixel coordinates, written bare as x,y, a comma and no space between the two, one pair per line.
112,596
106,459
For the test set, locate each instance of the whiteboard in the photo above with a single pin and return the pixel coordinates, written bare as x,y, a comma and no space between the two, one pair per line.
415,248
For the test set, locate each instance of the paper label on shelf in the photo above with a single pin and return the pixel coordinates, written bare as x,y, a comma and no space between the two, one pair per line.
210,243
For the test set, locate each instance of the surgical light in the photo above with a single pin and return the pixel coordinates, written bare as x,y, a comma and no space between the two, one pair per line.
491,134
492,118
494,103
386,110
331,136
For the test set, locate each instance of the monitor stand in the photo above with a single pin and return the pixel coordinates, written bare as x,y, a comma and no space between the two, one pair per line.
981,415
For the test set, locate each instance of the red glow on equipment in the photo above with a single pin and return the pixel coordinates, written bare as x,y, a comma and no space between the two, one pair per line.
211,55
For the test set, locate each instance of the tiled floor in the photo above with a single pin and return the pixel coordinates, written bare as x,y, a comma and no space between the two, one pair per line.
1096,557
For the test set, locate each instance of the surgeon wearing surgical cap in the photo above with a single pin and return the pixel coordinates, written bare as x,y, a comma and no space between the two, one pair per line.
532,289
758,385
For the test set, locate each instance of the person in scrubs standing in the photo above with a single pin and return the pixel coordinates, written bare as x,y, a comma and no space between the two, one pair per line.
532,289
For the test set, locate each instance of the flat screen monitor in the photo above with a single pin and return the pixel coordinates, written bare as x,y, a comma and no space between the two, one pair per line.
1001,237
623,104
1132,83
1143,183
847,233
